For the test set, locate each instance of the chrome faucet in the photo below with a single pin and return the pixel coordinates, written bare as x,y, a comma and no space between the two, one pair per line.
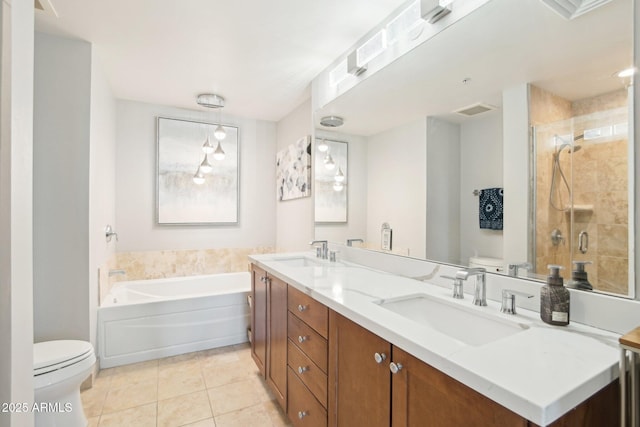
513,268
350,241
321,251
480,292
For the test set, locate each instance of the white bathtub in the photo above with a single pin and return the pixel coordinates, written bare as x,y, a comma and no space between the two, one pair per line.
148,319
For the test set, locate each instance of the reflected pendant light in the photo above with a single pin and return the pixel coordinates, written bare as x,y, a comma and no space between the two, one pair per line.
339,175
337,186
323,146
328,162
205,166
207,147
220,133
198,178
219,153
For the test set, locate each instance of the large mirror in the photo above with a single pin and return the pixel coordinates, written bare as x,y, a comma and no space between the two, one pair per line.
512,100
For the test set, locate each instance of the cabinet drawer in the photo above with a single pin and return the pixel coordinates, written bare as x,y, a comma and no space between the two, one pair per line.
304,409
311,311
309,373
309,341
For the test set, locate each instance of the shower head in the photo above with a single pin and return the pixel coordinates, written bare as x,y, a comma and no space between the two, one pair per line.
571,149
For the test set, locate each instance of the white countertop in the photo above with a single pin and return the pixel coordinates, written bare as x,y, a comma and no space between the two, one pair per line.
539,373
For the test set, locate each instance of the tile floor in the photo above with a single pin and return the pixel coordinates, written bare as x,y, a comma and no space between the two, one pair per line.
219,387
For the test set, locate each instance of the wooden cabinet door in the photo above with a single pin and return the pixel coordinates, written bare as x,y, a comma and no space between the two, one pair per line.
424,396
277,339
359,387
259,317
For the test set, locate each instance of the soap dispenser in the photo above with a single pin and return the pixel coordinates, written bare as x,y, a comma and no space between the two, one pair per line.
579,278
554,299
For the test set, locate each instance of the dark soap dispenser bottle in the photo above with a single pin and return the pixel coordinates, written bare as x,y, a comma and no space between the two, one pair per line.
554,299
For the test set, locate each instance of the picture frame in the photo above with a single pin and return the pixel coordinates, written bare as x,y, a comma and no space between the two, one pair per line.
293,170
179,199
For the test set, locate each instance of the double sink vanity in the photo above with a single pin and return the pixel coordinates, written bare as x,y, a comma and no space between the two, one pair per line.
345,344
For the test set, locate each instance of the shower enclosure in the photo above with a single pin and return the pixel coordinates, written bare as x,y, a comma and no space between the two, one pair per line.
581,209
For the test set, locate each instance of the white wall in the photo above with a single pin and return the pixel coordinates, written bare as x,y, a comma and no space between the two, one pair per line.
397,186
16,154
101,180
136,184
356,226
481,159
515,106
61,187
443,191
294,217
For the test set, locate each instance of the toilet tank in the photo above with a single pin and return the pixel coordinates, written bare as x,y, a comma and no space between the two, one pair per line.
493,265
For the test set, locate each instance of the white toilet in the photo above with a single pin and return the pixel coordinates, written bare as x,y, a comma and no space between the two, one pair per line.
59,367
493,265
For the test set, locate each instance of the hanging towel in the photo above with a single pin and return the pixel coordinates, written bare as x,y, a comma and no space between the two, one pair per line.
491,211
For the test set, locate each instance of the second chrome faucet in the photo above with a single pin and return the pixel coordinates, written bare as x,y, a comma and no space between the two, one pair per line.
480,292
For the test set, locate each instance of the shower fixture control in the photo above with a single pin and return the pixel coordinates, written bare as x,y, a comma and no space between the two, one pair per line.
583,242
556,237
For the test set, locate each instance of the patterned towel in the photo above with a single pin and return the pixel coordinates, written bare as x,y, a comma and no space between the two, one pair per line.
491,211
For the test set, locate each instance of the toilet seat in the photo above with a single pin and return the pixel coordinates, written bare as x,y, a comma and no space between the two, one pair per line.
51,356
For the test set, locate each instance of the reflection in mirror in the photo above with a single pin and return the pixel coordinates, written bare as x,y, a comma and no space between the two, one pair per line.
534,81
581,186
331,183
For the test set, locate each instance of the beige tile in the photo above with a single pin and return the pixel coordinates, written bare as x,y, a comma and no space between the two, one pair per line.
184,381
188,358
276,414
184,409
253,416
217,374
93,421
131,396
140,416
136,373
93,400
209,422
234,396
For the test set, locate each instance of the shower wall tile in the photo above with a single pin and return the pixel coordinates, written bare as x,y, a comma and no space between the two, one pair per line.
613,240
614,273
607,101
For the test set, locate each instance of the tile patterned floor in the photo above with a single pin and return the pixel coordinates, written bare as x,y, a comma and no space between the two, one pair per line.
213,388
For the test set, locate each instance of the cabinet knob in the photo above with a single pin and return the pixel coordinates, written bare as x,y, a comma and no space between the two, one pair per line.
302,369
395,367
379,357
302,414
301,339
263,279
302,308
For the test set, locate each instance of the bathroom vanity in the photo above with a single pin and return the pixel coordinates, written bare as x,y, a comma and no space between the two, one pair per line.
342,344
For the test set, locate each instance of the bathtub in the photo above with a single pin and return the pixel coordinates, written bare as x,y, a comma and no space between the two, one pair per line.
148,319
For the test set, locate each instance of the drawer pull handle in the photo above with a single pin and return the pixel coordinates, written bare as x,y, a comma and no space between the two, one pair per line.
302,414
380,357
302,369
302,339
302,308
395,367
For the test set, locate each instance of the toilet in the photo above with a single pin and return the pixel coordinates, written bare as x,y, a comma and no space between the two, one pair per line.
59,367
492,265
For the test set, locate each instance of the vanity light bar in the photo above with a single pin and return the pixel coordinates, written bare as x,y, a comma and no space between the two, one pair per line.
404,22
371,48
339,73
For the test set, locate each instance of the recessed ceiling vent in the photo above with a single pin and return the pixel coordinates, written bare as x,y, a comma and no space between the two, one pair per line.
570,9
331,121
45,6
474,109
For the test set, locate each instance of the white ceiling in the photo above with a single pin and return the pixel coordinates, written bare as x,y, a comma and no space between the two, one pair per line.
259,55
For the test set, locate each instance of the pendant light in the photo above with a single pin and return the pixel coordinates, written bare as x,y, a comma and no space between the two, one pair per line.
339,175
338,186
323,146
219,153
205,166
220,134
328,162
198,178
207,147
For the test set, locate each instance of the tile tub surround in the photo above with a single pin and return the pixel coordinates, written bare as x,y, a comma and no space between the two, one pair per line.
219,387
514,371
174,263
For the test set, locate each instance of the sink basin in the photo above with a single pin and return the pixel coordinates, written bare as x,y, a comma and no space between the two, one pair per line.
298,262
467,326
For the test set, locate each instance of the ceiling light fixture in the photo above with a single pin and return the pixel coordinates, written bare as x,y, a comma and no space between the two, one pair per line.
332,121
323,146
